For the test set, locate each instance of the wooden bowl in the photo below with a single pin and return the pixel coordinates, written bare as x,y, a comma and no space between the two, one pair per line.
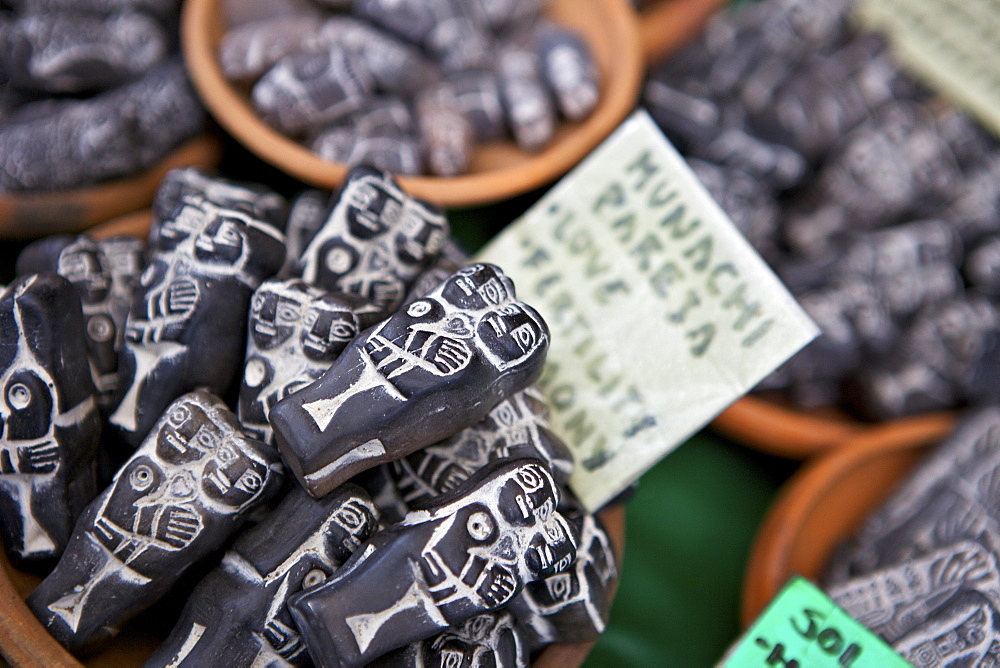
25,643
667,25
498,170
30,215
777,428
827,500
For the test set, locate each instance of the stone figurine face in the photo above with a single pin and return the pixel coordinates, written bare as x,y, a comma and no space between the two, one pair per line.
510,531
375,242
295,332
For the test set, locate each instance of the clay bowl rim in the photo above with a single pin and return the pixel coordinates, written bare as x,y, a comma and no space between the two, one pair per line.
667,25
35,214
613,22
778,429
796,539
25,643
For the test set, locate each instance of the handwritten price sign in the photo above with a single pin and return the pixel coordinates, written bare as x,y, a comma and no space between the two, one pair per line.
803,628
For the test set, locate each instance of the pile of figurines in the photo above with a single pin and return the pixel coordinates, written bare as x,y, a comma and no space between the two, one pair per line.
90,90
387,490
923,572
409,87
877,203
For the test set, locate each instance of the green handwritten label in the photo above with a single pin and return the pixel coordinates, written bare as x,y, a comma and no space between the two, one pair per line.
954,45
803,628
661,313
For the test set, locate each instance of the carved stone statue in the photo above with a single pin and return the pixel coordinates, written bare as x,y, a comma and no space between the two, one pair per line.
296,331
237,615
573,606
469,553
186,490
186,327
375,242
416,378
49,422
104,275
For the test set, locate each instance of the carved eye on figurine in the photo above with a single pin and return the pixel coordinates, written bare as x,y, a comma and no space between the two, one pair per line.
30,406
141,478
479,626
100,328
221,242
559,587
314,577
480,526
419,308
327,333
249,482
338,257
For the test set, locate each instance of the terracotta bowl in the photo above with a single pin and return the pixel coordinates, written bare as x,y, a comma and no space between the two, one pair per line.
29,215
667,25
777,428
498,170
827,500
25,643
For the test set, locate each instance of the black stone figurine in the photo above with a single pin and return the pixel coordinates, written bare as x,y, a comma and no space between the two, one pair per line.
104,275
186,327
309,89
295,332
237,615
62,143
427,372
517,427
49,422
573,606
470,552
376,240
180,496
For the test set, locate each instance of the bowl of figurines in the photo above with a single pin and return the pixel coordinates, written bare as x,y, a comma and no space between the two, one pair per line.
468,103
95,108
235,442
900,530
874,200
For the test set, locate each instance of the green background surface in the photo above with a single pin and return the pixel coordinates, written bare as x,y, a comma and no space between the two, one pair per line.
689,528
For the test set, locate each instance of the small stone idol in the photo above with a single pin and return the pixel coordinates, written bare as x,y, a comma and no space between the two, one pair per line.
469,553
424,374
180,496
49,423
